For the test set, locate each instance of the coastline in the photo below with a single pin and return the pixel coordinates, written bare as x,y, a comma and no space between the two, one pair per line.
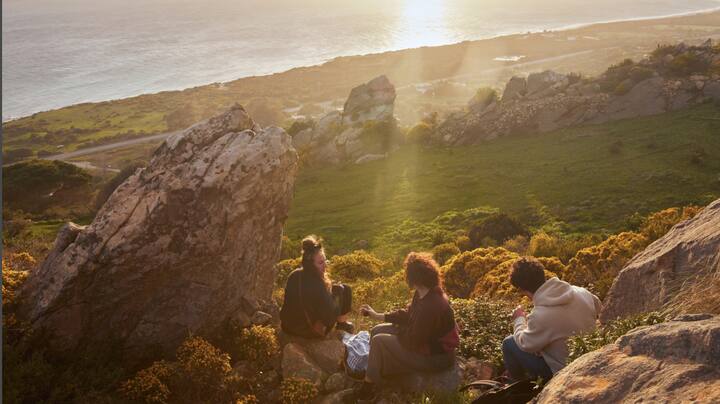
284,70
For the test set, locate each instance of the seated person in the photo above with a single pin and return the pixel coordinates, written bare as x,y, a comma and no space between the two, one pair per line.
313,305
538,346
422,337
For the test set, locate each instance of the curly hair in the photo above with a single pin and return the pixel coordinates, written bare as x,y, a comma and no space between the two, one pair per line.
527,274
422,270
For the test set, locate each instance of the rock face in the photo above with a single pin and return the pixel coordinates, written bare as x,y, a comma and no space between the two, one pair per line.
649,279
547,101
365,127
312,359
374,100
181,247
678,361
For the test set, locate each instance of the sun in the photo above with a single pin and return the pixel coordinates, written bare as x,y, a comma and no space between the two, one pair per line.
422,23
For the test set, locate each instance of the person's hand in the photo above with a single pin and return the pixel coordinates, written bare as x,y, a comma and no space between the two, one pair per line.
519,312
366,310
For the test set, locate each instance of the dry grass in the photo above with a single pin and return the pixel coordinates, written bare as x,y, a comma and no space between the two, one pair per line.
698,294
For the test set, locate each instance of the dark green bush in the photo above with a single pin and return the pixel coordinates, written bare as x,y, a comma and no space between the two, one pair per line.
498,227
483,326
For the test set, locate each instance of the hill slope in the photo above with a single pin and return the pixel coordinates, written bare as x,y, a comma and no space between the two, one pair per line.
585,179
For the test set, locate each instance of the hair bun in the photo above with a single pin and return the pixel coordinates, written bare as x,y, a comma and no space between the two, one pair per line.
311,243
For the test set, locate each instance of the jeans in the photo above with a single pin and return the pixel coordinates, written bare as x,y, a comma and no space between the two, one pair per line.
521,364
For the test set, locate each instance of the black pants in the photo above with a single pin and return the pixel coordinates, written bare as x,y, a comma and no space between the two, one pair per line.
342,295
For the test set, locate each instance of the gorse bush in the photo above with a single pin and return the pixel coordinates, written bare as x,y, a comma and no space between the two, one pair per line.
461,274
258,345
596,267
358,265
659,223
443,252
297,391
200,374
607,334
283,270
498,227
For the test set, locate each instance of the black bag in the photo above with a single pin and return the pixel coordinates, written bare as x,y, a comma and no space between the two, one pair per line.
497,393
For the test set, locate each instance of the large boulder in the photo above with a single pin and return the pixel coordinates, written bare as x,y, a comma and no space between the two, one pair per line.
312,359
374,100
181,247
677,361
515,88
649,280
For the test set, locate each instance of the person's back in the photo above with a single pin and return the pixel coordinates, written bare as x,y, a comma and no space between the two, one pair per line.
560,311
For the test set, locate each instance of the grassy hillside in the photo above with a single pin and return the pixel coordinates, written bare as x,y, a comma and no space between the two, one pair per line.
588,179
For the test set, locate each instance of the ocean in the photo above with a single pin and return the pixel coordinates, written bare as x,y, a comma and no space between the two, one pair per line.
62,52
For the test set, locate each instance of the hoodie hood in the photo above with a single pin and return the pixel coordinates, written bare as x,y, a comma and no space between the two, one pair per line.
554,292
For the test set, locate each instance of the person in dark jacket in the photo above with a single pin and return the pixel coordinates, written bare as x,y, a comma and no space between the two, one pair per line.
312,305
422,337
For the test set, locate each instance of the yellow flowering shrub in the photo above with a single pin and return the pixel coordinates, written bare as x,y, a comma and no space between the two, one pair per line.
358,265
257,344
463,271
150,385
596,267
659,223
297,391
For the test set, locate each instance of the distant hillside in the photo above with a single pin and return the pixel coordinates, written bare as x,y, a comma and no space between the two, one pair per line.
585,179
278,97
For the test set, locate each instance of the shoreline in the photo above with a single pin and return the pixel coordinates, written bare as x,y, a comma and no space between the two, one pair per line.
502,36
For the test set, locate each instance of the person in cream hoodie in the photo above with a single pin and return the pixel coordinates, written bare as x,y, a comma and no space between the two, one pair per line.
538,346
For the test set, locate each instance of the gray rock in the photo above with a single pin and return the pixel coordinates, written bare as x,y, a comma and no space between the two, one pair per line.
302,139
649,280
537,82
515,89
677,361
374,100
181,247
335,382
296,362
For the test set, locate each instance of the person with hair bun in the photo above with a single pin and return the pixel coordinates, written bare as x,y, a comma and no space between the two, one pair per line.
421,338
312,305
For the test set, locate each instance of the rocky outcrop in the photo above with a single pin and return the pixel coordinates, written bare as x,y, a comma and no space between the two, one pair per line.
374,100
547,101
365,127
649,280
313,359
677,361
181,247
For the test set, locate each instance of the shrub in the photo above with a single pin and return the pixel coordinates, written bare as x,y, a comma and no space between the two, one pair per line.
483,97
607,334
498,227
688,63
419,134
546,245
200,374
461,274
517,244
496,282
150,385
596,267
258,345
385,293
299,126
297,391
443,252
464,243
483,326
247,399
358,265
283,269
659,223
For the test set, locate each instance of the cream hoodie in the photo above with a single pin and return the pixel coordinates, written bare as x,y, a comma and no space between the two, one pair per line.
561,310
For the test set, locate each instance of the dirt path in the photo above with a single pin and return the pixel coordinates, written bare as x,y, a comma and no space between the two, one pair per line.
110,146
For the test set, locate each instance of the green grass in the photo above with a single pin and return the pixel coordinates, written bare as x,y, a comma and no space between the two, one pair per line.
568,178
